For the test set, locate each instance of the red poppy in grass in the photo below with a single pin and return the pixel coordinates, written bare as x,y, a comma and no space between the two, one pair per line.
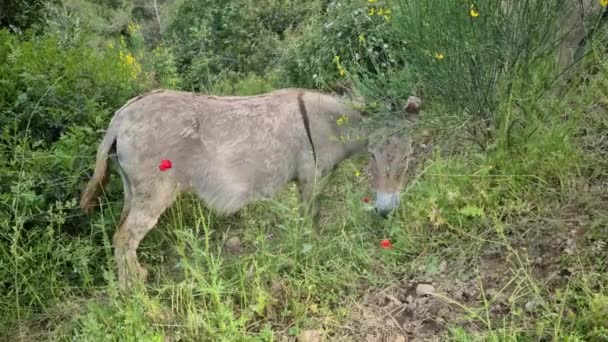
386,244
165,164
366,199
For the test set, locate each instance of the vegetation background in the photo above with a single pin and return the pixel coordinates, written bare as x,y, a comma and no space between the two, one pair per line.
506,219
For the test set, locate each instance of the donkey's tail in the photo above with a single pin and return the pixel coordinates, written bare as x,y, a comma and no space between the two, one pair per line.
100,177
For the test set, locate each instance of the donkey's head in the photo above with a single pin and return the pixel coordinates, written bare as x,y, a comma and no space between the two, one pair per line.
388,164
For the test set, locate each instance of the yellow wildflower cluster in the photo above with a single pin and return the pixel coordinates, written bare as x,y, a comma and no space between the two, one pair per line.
343,119
379,11
339,66
434,214
133,28
345,138
604,3
439,56
129,61
473,12
362,39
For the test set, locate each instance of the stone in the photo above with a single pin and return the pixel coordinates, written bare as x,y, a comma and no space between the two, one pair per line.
424,289
310,336
443,265
233,245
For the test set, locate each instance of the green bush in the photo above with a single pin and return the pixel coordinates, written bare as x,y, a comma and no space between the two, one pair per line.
20,15
467,57
353,32
211,37
55,102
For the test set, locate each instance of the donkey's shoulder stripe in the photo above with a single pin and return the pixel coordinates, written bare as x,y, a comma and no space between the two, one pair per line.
304,114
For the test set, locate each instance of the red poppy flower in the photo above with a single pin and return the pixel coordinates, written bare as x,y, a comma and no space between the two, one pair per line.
386,244
165,164
366,199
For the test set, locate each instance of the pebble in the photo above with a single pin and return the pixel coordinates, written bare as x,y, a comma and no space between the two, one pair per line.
233,245
424,289
531,305
400,338
443,265
310,336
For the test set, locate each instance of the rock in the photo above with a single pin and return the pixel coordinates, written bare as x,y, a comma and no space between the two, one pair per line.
422,301
394,300
400,338
491,293
413,104
531,305
310,336
443,265
424,289
233,245
373,338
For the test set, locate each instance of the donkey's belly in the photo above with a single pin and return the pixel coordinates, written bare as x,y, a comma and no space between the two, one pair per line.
228,189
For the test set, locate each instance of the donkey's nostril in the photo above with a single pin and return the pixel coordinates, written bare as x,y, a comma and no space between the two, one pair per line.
383,213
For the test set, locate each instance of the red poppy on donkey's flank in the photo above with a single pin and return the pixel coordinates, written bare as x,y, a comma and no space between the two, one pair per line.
165,164
386,243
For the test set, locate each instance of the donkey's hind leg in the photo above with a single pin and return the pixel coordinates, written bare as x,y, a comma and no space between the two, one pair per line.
145,208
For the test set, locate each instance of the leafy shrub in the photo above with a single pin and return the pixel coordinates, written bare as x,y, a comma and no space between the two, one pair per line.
55,102
19,15
462,48
212,37
348,32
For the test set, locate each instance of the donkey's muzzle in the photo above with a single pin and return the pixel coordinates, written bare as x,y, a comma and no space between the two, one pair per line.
386,203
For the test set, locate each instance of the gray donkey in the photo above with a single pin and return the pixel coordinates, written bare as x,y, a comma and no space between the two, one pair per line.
230,151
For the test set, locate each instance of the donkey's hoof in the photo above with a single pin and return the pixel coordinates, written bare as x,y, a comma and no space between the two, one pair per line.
135,278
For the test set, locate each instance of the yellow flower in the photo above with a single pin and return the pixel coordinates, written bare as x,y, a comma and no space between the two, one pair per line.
342,120
341,70
133,27
439,56
129,59
372,10
372,1
361,39
336,59
474,13
435,217
381,11
604,3
357,173
387,17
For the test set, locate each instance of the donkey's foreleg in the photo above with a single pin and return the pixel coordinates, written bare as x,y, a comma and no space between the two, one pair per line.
309,204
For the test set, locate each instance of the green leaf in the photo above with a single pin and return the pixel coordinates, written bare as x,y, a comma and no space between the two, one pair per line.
471,211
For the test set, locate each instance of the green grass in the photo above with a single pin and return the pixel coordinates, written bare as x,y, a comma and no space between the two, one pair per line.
292,276
521,225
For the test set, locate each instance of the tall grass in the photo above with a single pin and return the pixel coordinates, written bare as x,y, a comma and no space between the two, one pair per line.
469,58
57,273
